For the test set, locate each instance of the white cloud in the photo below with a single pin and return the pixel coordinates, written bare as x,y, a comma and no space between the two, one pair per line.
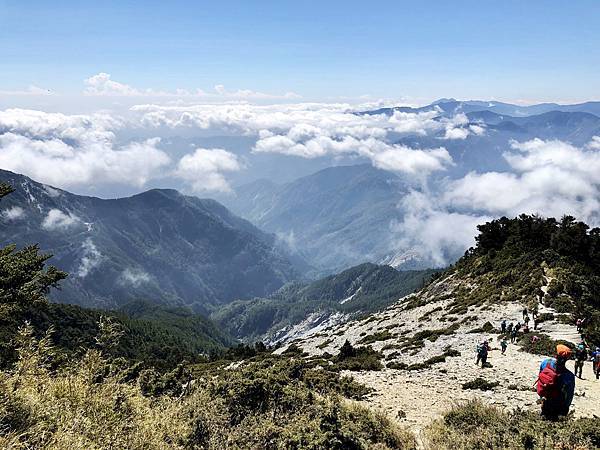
103,85
134,277
58,220
14,213
412,161
91,258
459,127
594,144
478,130
552,178
435,235
204,168
70,150
456,133
250,95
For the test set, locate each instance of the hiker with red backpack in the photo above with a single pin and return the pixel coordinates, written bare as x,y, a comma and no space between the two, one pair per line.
556,384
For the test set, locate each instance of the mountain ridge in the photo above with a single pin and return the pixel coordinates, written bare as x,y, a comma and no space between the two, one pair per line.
159,245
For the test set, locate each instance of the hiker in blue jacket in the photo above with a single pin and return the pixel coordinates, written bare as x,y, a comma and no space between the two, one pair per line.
556,384
596,362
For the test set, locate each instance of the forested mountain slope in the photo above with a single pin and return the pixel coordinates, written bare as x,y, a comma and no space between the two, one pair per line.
159,245
298,307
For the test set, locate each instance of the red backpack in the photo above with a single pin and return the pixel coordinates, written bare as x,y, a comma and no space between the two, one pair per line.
548,383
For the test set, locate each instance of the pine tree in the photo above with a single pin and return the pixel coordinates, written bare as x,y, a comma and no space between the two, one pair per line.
24,277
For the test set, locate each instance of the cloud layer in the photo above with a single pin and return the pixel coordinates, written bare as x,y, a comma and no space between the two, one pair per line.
75,150
82,150
317,130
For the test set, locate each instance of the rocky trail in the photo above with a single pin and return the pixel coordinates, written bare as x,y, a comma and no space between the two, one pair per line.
416,397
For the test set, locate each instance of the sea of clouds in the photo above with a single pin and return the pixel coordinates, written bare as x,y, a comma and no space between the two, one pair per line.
439,214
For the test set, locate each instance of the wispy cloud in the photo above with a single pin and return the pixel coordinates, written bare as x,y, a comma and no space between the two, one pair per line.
13,213
58,220
102,84
90,259
30,91
134,277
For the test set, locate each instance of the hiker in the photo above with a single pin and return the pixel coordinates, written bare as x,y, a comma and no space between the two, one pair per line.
580,357
534,323
556,384
504,345
518,326
526,320
596,362
578,323
534,311
510,327
513,335
525,313
503,326
482,353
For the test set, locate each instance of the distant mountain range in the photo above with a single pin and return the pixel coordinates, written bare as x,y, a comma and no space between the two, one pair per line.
159,246
450,106
342,216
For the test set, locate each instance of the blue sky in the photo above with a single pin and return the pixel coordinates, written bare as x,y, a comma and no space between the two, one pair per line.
322,50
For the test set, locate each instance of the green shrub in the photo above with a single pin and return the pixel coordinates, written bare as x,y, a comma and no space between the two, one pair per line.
544,346
380,336
485,328
545,317
474,425
357,358
480,384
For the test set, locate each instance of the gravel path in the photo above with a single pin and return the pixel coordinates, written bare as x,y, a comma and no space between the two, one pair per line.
417,397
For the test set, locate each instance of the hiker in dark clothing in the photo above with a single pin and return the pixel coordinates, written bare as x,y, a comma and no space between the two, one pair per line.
525,313
504,345
596,362
556,384
510,327
482,353
518,327
526,320
513,335
580,357
503,326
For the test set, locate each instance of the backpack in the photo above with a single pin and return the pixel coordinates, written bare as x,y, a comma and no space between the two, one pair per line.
548,383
